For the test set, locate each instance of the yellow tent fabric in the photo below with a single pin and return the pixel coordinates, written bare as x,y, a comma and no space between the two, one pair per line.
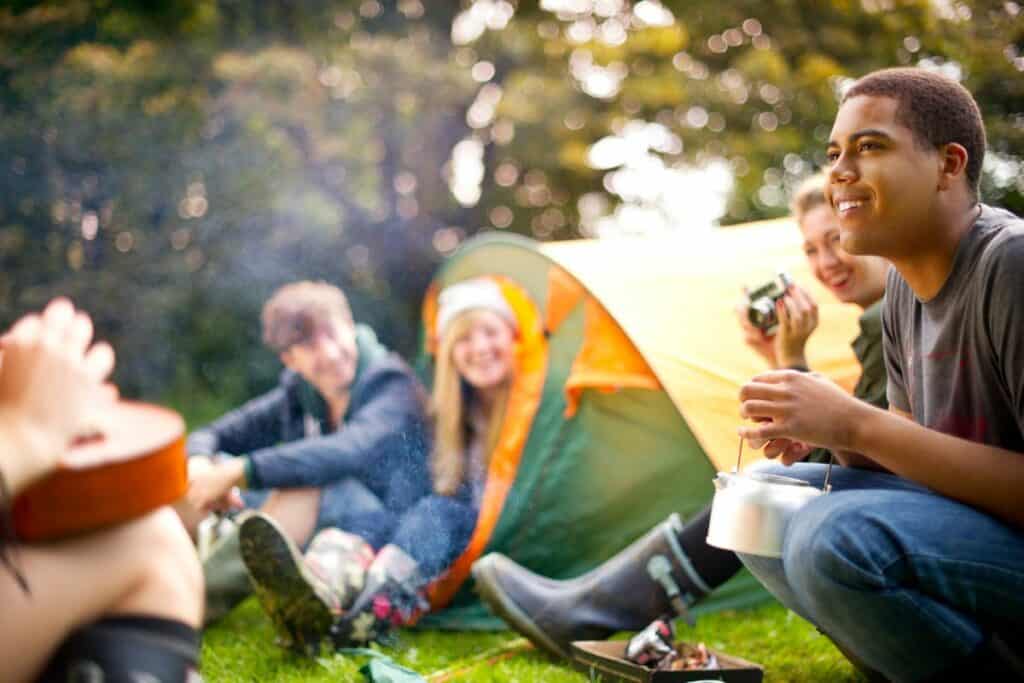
673,296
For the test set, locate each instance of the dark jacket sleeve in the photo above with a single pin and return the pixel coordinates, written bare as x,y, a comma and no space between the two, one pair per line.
386,422
255,425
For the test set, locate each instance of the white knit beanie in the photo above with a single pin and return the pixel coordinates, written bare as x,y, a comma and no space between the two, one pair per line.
463,296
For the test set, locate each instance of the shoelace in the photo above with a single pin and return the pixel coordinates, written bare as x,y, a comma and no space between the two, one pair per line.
8,538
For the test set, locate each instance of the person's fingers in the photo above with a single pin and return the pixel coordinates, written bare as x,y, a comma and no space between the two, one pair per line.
774,376
110,392
801,310
815,312
57,318
78,334
763,431
193,498
234,498
808,308
763,391
756,444
783,313
796,300
795,452
107,394
25,331
776,447
743,318
809,298
755,409
198,494
99,361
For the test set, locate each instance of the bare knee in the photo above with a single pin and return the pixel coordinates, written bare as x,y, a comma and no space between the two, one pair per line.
295,510
169,578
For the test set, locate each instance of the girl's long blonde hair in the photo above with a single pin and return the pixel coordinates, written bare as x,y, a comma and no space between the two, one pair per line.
451,403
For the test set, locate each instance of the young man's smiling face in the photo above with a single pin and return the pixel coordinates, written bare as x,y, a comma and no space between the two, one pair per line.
882,182
328,359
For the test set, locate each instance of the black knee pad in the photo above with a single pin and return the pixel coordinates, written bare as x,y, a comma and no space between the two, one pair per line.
127,650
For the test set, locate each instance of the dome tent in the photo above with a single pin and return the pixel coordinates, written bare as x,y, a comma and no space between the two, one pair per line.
625,403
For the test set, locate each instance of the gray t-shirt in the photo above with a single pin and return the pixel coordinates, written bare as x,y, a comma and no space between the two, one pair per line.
956,362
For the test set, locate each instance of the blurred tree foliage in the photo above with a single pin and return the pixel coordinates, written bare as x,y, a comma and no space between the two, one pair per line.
168,163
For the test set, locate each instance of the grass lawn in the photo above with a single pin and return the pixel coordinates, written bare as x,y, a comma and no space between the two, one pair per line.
241,648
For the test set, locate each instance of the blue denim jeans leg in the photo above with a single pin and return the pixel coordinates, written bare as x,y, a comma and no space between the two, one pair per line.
435,531
908,580
348,504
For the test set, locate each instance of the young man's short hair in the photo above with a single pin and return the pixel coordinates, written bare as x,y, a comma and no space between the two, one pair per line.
297,310
808,196
937,109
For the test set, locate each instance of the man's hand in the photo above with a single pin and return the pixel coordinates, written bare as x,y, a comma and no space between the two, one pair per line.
51,387
795,411
211,484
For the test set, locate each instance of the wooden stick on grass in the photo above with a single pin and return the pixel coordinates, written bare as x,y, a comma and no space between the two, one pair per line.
492,656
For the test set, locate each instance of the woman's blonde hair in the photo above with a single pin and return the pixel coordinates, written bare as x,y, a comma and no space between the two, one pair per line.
809,196
451,402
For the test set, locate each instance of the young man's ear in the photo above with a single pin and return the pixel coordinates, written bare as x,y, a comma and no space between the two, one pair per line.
954,159
287,359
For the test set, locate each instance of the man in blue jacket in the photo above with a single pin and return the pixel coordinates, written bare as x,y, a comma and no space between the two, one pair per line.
340,442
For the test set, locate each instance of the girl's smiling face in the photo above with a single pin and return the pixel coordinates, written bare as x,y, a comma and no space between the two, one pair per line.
484,353
853,279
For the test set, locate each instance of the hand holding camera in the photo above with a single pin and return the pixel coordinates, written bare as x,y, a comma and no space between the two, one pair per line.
777,319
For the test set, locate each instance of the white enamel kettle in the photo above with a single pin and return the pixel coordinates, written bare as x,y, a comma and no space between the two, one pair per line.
751,510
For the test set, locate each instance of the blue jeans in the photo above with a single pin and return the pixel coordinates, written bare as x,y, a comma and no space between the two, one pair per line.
345,504
435,531
907,580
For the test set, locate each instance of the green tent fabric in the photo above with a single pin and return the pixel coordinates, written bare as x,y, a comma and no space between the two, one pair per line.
589,484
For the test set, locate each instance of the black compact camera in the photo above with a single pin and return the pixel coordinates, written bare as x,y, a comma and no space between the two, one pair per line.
761,306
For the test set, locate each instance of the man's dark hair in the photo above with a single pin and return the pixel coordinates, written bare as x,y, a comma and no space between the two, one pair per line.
297,310
936,109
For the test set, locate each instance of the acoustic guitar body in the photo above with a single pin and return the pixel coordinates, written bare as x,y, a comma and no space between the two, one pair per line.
135,465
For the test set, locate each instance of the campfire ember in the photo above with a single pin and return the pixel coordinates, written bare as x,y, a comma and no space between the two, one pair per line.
653,647
686,657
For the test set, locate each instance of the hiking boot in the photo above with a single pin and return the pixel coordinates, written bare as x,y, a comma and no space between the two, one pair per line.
341,560
645,581
393,596
302,596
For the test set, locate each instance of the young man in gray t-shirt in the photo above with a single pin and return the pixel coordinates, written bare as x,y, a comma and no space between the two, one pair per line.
914,563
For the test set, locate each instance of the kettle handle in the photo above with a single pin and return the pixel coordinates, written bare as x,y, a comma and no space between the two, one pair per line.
826,486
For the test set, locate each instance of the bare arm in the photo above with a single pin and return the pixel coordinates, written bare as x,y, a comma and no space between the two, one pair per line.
856,459
985,477
804,408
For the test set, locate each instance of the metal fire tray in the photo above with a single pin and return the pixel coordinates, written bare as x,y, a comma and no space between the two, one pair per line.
606,659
